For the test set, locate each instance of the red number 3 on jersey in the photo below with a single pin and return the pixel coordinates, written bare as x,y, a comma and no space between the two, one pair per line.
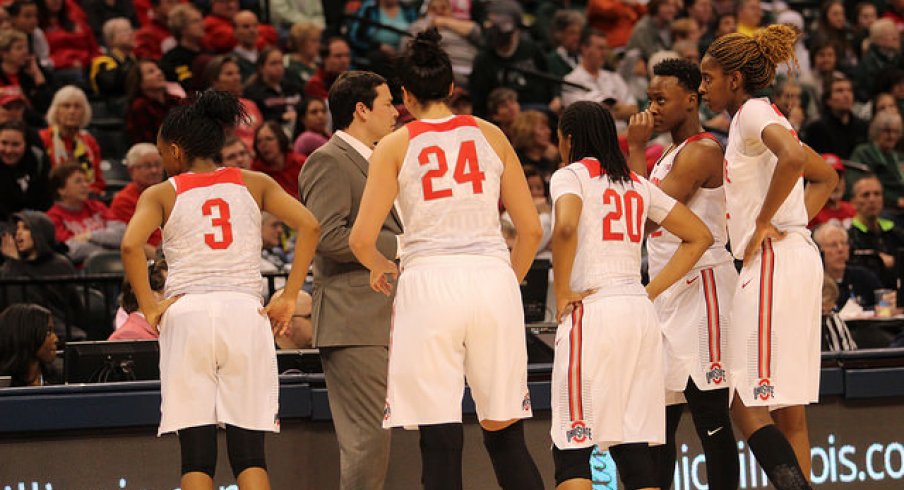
466,170
220,220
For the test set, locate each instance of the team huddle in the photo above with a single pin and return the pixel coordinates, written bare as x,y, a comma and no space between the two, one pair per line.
741,349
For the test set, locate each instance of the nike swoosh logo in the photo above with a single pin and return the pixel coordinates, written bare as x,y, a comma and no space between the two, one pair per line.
691,281
746,283
711,433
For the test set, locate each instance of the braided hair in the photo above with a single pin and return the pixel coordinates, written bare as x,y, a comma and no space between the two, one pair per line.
593,135
757,56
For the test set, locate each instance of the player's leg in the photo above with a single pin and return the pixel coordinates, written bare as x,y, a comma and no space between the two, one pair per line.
635,465
572,468
792,421
441,446
770,447
198,447
247,458
664,454
709,410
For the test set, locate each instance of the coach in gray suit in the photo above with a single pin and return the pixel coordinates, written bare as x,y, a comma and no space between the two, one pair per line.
351,321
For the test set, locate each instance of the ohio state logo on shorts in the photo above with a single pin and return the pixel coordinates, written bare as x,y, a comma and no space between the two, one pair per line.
386,411
525,403
578,432
716,374
764,390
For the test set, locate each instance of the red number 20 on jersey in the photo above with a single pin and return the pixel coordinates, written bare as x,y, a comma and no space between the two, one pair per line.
627,211
466,170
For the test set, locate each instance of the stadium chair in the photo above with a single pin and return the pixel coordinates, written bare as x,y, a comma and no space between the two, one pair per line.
98,320
108,262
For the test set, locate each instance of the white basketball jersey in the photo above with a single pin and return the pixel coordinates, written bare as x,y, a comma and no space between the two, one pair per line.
212,239
749,166
611,227
449,188
707,204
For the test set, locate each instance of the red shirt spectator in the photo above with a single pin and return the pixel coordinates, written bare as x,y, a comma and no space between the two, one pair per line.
615,18
150,38
146,169
150,101
835,211
74,146
219,35
336,61
72,44
276,158
135,328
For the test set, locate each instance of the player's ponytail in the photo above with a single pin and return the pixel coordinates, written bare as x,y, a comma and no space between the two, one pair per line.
425,69
593,135
758,56
199,127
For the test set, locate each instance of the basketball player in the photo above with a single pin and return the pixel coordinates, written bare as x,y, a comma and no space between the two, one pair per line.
457,311
607,381
774,346
694,312
217,360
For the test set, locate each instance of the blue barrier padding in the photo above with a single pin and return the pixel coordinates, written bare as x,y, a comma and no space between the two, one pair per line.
874,383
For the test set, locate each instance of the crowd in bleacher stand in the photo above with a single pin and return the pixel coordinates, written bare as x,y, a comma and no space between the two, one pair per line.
85,84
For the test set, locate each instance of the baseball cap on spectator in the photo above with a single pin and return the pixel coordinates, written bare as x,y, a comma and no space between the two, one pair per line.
834,160
504,15
11,94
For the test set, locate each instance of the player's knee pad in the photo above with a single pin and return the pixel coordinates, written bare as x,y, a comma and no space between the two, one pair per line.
199,449
501,440
571,464
246,449
635,465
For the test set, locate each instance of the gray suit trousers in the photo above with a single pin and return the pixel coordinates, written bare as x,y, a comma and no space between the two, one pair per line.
356,386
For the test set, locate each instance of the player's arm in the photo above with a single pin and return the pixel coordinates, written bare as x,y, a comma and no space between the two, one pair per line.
379,193
791,162
564,247
698,164
517,201
149,214
821,181
695,239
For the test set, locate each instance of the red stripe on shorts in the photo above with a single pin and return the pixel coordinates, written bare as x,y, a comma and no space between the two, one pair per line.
767,269
575,405
712,315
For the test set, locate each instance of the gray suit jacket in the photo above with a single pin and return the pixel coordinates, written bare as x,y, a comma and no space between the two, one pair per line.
345,311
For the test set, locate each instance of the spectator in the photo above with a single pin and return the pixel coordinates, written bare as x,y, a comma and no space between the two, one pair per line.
686,50
786,96
13,108
27,345
67,141
881,158
99,12
853,282
273,257
530,136
824,55
835,334
18,68
702,12
145,169
85,225
566,29
303,47
605,86
507,60
276,158
313,122
32,254
109,71
187,27
749,15
24,17
836,210
219,35
461,37
24,181
685,29
136,327
895,12
614,17
235,154
883,55
335,60
154,38
838,130
874,240
149,101
866,14
503,108
366,36
884,101
831,25
222,73
72,44
652,32
290,12
276,96
725,24
795,19
245,51
539,192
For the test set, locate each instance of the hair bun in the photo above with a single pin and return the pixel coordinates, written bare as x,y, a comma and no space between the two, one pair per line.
425,46
776,42
220,106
